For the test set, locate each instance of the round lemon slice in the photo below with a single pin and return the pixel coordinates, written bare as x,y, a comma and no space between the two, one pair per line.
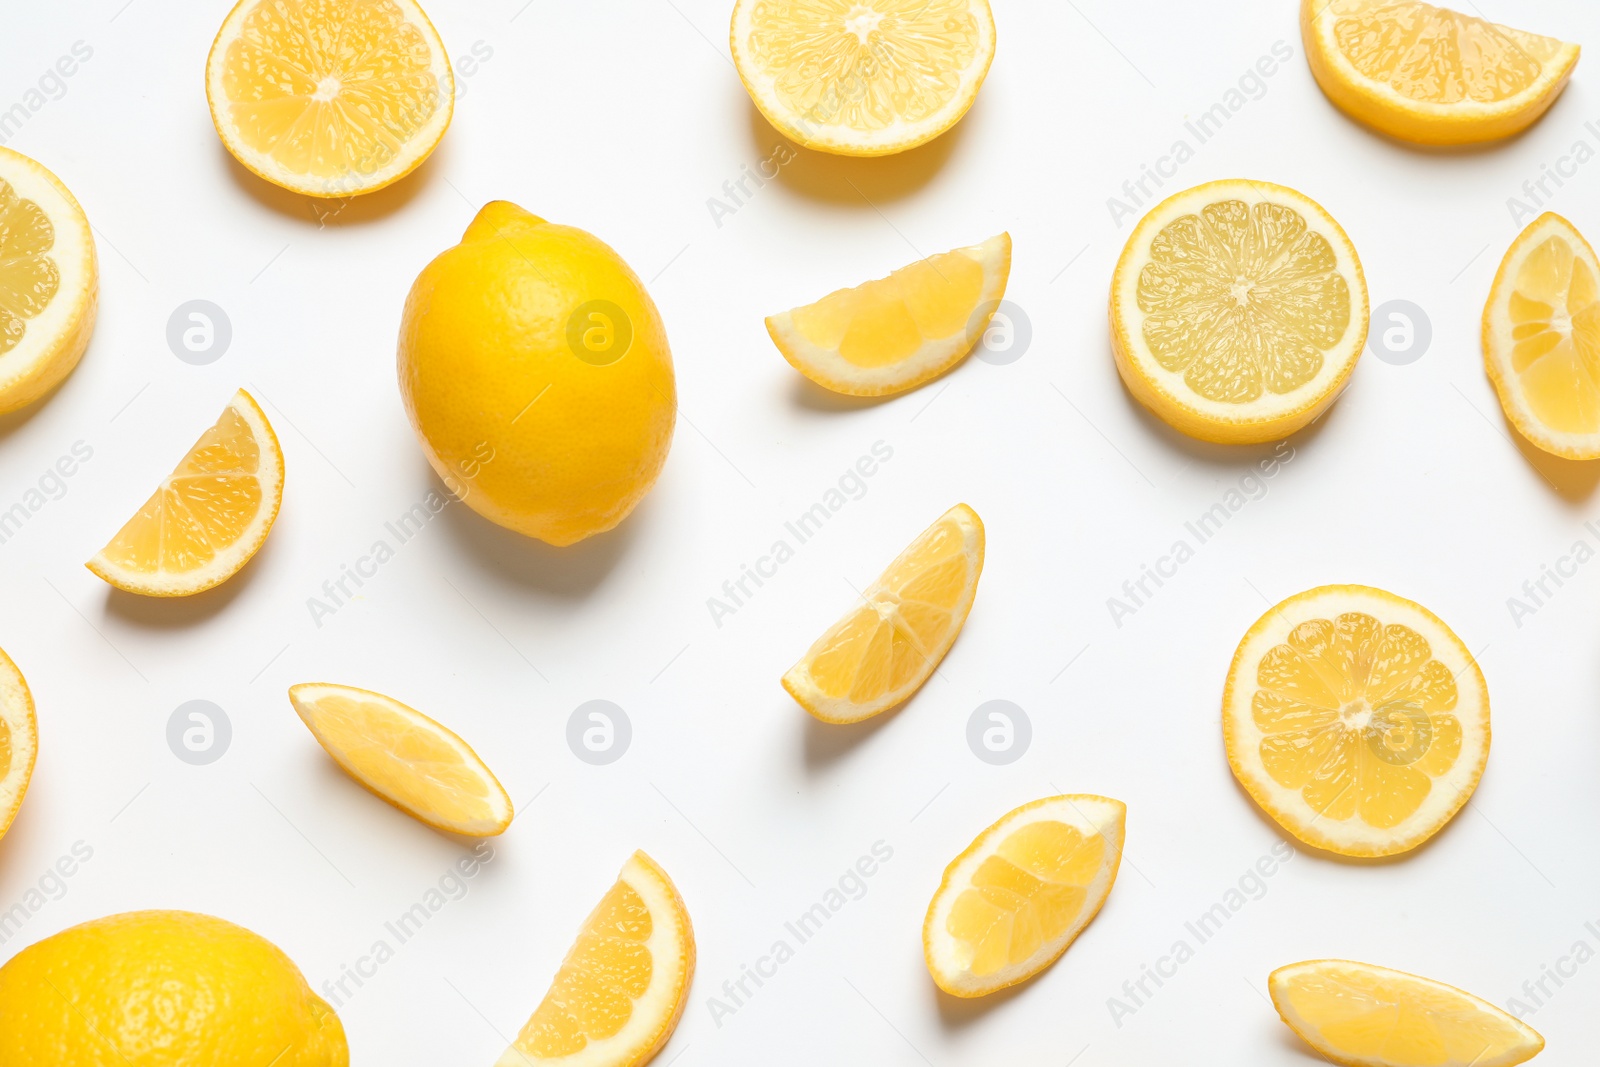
329,98
1541,338
1357,719
49,281
1431,75
863,77
1366,1016
1009,905
19,740
1238,311
896,333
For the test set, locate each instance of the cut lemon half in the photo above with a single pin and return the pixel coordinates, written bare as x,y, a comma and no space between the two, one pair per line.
1365,1016
625,981
1541,338
1238,311
1431,75
210,515
863,77
49,281
1357,719
406,758
19,740
894,334
1009,905
329,98
880,653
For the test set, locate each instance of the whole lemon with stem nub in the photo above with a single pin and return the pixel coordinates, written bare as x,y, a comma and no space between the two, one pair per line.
535,369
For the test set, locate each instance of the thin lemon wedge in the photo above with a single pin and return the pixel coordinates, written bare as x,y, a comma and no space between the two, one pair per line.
1366,1016
19,740
895,333
625,981
1541,338
1238,311
1009,905
408,759
863,77
882,651
329,98
1357,719
1431,75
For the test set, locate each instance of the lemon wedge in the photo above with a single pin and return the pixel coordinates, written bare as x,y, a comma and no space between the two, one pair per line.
19,740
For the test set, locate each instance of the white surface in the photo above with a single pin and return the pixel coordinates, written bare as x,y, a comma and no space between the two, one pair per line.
624,118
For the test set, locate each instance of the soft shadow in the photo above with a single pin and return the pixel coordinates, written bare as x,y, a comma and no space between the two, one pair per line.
14,421
827,743
332,777
179,612
1278,830
335,212
1572,479
1225,456
805,393
958,1013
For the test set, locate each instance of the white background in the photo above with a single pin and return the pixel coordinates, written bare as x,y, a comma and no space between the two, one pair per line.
624,117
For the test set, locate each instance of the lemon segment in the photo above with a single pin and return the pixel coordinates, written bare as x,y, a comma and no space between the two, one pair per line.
622,988
19,741
896,333
1366,1016
1010,905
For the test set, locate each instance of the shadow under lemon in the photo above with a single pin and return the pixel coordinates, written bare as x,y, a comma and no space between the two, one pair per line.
320,212
1573,480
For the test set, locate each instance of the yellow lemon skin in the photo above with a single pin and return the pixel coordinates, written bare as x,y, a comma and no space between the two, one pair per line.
535,370
161,988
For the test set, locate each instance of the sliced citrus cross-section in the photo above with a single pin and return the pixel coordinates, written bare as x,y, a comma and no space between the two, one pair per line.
863,77
1541,338
329,98
880,653
1431,75
1238,311
1366,1016
625,981
1357,719
19,740
408,759
1010,905
210,515
895,333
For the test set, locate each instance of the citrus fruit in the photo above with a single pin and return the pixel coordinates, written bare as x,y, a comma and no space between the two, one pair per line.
1356,719
1366,1016
49,281
535,370
863,77
1009,905
160,988
406,758
19,741
894,334
210,515
625,981
891,642
1238,311
329,98
1541,338
1431,75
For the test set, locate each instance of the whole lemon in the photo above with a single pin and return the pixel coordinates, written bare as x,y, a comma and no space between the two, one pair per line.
162,989
535,370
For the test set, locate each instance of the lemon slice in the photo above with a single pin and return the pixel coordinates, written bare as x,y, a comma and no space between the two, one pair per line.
1431,75
19,740
209,517
1357,719
625,981
894,334
406,758
882,651
1009,905
329,98
1366,1016
863,77
1238,311
49,281
1541,338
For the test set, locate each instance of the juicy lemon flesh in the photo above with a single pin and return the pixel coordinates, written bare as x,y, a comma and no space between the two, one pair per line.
328,88
887,320
1024,895
1555,317
1242,299
1358,718
29,278
201,509
1366,1017
6,750
608,968
864,64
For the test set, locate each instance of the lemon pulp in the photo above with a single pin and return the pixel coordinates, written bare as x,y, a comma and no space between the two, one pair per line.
1555,316
606,971
884,321
29,278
